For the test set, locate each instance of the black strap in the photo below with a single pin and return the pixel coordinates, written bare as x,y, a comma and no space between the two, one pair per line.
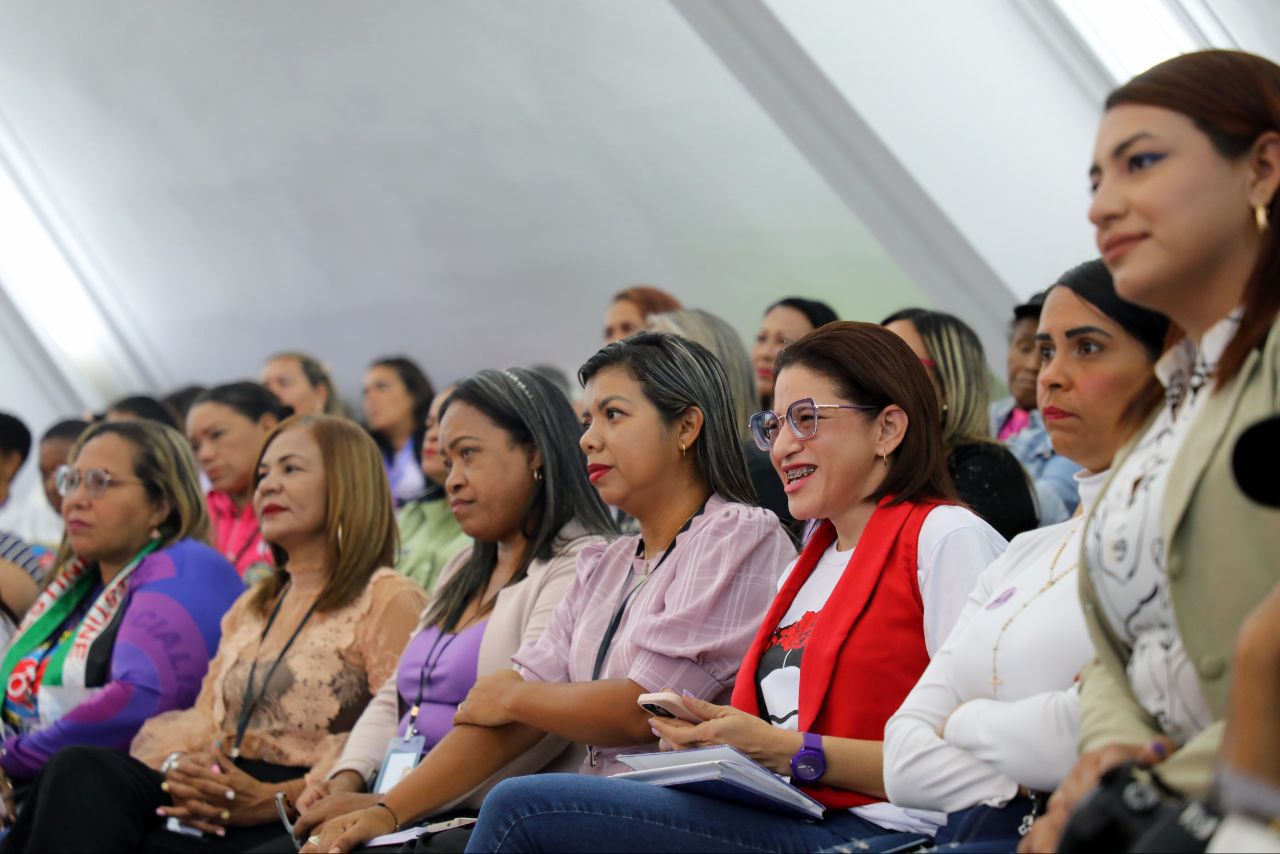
250,702
602,654
428,667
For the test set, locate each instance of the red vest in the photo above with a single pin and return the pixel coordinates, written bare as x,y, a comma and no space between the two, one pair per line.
866,651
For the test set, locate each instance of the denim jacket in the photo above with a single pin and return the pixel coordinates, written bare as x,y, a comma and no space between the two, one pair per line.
1052,474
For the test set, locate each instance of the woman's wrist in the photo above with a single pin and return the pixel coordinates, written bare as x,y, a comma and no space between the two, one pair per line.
784,744
348,780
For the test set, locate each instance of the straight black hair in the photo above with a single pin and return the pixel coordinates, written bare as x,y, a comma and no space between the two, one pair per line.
537,416
418,384
249,399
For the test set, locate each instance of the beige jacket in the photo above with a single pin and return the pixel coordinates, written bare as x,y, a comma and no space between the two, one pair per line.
519,615
1223,557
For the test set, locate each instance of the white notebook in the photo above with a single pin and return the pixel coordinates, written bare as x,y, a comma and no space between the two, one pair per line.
721,772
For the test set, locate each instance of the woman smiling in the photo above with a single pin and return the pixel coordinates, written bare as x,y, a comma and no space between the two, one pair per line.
854,622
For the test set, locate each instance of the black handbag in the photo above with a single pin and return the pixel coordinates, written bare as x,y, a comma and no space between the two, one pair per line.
1132,809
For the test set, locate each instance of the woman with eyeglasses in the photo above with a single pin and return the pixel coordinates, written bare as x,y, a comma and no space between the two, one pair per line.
126,626
875,591
301,655
673,608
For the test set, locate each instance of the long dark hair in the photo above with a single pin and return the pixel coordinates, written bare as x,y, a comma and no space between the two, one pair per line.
536,416
1233,98
420,389
676,374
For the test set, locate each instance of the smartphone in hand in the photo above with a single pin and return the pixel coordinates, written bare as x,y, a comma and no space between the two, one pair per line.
667,704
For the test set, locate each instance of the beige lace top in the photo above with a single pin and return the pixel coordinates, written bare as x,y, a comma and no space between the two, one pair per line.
316,694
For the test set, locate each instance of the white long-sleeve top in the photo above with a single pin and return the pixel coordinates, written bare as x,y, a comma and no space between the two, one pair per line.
1023,731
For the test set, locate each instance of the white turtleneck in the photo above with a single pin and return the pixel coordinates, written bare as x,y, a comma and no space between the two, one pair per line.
1023,730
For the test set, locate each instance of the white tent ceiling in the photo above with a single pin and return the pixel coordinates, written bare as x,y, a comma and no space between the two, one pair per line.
467,181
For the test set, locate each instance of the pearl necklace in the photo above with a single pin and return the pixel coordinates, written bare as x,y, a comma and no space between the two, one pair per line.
1053,579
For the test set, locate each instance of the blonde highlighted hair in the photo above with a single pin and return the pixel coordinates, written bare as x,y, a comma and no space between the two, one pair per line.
360,522
962,376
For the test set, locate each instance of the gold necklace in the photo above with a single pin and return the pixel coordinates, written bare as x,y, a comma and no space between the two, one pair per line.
995,650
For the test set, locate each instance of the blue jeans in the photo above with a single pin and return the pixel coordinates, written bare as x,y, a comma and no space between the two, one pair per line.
575,812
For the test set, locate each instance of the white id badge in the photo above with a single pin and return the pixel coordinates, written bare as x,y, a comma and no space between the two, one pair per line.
402,757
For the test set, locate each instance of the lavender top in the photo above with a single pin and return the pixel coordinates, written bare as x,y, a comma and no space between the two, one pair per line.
169,629
449,664
687,628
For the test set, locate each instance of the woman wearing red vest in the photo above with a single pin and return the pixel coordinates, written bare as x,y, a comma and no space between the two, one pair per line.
876,590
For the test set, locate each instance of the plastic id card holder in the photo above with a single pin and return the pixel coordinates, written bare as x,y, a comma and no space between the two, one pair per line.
402,757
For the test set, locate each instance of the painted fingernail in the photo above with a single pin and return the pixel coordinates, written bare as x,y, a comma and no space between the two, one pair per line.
226,815
654,730
222,831
164,787
231,795
1159,749
160,811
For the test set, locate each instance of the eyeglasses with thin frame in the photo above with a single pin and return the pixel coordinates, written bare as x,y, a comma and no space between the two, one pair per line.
95,481
802,418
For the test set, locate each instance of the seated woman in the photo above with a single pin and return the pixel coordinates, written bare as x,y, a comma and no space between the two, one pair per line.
993,719
987,476
397,396
673,607
786,321
429,534
1018,422
516,476
722,340
125,628
1175,555
887,569
302,383
631,309
227,426
301,655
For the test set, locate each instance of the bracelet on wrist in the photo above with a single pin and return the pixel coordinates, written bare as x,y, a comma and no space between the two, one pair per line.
395,818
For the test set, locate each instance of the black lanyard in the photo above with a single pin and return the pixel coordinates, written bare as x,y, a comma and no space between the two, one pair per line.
625,596
428,668
250,702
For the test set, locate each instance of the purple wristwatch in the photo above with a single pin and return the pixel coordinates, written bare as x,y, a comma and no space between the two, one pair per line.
809,762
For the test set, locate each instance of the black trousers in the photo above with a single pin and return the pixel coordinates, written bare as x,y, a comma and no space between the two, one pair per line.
95,799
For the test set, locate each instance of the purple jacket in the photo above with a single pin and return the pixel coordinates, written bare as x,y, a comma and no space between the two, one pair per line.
169,628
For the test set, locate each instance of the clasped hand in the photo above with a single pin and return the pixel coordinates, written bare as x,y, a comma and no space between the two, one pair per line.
209,793
771,746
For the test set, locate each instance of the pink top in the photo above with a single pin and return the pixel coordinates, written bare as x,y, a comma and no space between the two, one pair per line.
1013,425
237,537
687,628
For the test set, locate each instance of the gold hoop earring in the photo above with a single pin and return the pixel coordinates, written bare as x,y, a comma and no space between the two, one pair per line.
885,457
537,475
682,450
339,536
1260,217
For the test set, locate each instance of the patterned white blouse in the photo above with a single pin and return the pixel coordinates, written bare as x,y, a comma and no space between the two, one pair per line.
1125,549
